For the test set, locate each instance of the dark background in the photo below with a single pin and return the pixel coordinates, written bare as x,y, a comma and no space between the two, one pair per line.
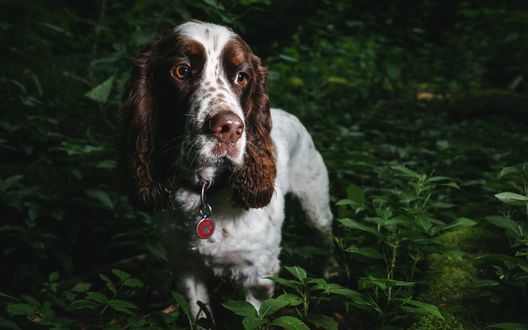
418,107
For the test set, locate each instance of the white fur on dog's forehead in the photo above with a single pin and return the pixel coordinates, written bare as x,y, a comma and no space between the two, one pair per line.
213,94
211,35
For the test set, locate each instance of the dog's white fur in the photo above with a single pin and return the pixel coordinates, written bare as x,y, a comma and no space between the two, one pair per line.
246,244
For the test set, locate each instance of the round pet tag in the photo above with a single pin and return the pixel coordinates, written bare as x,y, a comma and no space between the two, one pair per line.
205,228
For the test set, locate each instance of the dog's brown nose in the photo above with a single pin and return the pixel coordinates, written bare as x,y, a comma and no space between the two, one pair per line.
226,127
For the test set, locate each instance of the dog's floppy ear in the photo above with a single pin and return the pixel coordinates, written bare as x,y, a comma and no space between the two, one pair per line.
253,183
138,161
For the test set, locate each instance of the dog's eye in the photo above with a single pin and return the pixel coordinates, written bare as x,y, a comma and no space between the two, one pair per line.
182,71
241,78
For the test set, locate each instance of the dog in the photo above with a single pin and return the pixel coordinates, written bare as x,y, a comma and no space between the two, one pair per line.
203,147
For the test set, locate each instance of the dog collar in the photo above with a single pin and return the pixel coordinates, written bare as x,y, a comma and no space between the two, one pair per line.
205,226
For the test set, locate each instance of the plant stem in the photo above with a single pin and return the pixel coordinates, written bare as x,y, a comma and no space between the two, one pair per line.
390,274
526,194
415,261
97,31
113,297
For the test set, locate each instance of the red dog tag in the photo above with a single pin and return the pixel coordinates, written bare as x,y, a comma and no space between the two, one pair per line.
205,228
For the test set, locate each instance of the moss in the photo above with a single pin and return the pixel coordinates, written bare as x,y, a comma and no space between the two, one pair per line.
449,277
433,323
471,239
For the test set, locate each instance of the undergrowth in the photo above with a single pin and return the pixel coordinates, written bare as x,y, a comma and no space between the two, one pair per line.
421,125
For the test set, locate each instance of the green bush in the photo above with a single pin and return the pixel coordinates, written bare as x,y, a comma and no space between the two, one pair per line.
417,109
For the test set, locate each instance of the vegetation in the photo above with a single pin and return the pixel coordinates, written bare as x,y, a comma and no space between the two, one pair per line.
419,110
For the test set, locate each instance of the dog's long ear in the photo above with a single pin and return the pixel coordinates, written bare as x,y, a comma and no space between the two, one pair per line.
139,109
253,183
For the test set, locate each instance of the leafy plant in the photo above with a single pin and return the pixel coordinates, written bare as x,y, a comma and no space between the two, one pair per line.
302,300
383,89
510,280
394,234
112,307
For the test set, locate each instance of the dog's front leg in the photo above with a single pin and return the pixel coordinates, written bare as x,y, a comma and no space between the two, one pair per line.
196,291
258,291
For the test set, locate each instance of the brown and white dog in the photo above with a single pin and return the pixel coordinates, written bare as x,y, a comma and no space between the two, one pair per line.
197,119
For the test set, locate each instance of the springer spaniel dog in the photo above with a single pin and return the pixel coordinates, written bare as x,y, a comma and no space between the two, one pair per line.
200,147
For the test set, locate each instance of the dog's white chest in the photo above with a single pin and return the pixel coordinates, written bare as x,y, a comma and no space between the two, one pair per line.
240,242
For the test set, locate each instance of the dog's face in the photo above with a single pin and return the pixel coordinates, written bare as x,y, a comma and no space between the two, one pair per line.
196,105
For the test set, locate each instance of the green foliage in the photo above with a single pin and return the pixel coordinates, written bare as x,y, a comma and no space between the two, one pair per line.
60,307
433,323
300,305
399,231
509,281
394,95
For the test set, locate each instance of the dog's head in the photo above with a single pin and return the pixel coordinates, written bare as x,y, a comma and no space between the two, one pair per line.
196,105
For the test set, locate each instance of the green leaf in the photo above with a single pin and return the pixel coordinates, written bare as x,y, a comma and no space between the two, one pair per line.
30,300
109,284
121,274
484,283
323,321
332,288
437,178
425,222
351,224
290,323
270,306
335,80
54,28
101,92
180,300
81,287
137,323
10,182
157,249
345,202
133,283
382,283
342,291
506,223
356,195
21,309
107,164
53,277
288,58
418,307
241,307
291,299
5,295
7,324
252,323
81,304
451,184
122,306
297,272
509,261
510,170
284,282
512,198
460,222
393,72
367,252
404,171
97,297
100,196
508,326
